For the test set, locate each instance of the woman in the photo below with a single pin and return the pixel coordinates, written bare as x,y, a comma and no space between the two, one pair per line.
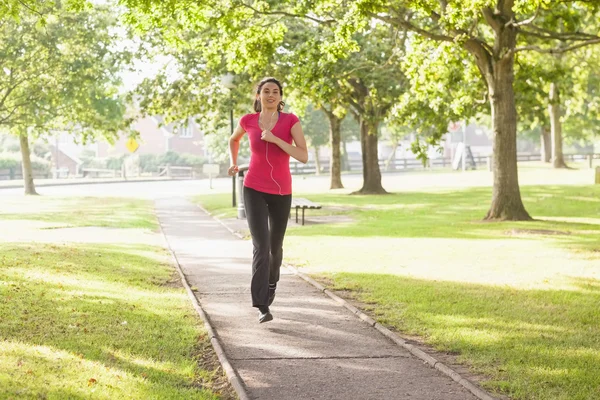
268,185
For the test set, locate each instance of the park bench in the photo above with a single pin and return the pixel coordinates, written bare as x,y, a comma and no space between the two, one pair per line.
302,203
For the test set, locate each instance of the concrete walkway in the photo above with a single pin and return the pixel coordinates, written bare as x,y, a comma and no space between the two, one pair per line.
313,349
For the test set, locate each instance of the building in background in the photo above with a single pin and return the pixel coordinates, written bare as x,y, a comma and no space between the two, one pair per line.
157,138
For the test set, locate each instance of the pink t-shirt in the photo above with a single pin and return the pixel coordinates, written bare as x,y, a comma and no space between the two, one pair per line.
269,169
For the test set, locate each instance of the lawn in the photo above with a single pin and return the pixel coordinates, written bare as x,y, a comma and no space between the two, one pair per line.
80,211
515,301
99,321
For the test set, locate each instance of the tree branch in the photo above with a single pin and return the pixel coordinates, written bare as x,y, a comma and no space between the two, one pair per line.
287,14
525,21
9,91
505,6
547,34
30,9
398,21
557,50
483,58
488,14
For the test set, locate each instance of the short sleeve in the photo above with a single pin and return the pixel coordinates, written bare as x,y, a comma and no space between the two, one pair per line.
244,122
293,120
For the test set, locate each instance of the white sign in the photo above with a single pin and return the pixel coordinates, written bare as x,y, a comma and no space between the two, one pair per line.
460,149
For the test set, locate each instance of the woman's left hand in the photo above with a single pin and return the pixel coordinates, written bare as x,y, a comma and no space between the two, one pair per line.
268,136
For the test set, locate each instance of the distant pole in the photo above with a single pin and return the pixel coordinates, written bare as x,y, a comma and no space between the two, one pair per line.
57,174
233,183
227,81
464,153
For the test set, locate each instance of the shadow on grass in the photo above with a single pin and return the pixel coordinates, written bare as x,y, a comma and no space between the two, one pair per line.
459,214
103,305
541,344
85,211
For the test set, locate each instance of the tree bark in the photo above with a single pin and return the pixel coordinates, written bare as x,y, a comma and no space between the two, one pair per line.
345,160
370,158
317,161
506,194
335,136
497,68
26,165
558,160
546,145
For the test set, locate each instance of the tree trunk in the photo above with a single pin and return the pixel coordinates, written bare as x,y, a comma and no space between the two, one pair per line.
506,195
558,160
392,156
26,164
496,65
370,158
317,162
335,136
345,161
546,144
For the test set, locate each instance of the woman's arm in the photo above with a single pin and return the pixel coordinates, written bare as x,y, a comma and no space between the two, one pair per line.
234,148
299,151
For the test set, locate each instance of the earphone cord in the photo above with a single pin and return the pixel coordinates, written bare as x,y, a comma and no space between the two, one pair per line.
267,153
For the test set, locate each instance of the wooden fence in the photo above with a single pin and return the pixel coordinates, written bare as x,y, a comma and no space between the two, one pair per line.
411,164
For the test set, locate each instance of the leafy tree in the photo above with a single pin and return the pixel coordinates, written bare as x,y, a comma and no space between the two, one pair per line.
493,32
314,124
60,75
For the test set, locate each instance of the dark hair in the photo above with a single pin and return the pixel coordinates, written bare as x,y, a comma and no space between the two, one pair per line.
257,105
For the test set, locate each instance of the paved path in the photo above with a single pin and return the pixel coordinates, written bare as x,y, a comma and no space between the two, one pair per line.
313,349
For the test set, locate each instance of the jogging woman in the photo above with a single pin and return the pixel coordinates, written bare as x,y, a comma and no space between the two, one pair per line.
268,185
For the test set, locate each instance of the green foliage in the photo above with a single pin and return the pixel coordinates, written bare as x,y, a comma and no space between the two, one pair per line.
63,74
151,162
13,161
10,160
316,127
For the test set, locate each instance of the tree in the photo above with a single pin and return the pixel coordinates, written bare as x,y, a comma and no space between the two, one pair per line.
238,44
62,74
315,79
490,31
314,124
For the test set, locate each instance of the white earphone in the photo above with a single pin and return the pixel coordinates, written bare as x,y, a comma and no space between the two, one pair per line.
267,149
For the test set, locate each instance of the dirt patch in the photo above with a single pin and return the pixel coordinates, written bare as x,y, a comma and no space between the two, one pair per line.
216,380
174,281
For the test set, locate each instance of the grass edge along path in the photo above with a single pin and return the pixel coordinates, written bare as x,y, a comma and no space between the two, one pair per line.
532,343
101,321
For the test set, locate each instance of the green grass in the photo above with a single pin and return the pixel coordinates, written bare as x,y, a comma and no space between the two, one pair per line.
516,301
531,344
98,321
101,322
81,211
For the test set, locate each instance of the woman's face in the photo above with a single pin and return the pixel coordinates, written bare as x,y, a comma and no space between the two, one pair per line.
270,96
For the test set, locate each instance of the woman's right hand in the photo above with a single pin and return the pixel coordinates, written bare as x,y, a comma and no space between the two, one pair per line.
234,169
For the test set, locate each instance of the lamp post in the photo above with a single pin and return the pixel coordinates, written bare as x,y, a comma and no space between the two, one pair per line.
227,81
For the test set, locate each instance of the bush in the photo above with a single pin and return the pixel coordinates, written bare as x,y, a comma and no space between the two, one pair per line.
10,160
115,162
191,160
39,164
13,160
151,162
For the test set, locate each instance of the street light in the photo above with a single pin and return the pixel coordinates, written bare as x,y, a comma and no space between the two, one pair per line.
227,81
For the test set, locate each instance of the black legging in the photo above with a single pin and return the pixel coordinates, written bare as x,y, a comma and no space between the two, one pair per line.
267,216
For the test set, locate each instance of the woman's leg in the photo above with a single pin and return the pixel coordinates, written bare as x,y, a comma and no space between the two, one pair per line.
257,216
279,211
